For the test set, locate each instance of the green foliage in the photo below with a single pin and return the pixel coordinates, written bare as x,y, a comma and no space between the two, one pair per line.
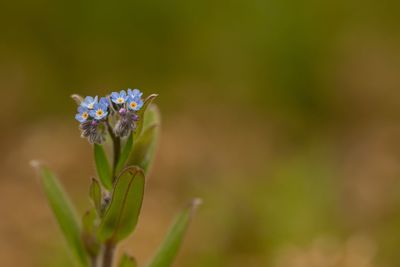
149,117
141,115
122,214
95,194
116,197
102,166
126,151
127,261
90,241
169,248
152,116
63,211
145,147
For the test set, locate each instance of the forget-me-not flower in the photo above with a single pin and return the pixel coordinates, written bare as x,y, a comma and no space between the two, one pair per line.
99,111
104,101
89,102
135,101
83,114
134,93
119,98
122,106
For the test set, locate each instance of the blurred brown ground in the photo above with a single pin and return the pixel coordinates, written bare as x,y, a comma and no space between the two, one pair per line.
283,116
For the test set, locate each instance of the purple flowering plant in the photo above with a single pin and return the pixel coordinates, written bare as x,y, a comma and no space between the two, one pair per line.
130,123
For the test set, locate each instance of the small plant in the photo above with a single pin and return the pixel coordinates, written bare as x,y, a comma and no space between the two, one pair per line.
131,124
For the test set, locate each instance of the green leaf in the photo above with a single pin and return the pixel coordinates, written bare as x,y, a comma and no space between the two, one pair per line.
77,98
95,194
168,250
152,116
90,241
127,261
126,151
121,216
144,149
102,166
63,211
88,221
141,114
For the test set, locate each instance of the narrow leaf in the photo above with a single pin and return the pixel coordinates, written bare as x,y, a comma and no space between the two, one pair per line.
63,211
140,152
144,150
168,250
141,114
102,166
95,194
127,261
125,153
88,221
152,116
77,98
90,241
121,217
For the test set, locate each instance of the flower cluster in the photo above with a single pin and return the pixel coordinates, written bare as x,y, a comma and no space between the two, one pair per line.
95,116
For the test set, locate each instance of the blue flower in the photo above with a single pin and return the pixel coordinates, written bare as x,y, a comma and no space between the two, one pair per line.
104,101
89,102
99,111
119,98
134,93
135,101
83,114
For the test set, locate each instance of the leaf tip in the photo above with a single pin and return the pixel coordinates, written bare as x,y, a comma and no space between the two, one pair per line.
133,170
77,98
35,164
150,98
196,202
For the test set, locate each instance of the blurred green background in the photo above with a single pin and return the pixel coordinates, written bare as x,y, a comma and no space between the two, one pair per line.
282,115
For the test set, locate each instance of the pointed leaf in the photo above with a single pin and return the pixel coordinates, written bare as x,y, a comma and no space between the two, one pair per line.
102,166
121,217
127,261
152,116
90,241
77,98
95,194
63,211
141,114
88,221
144,147
144,150
126,151
168,250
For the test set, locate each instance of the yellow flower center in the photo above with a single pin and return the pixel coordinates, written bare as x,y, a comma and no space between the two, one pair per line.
90,106
120,100
99,112
85,115
133,104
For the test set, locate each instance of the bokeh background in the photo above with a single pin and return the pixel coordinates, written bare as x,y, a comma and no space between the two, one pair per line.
282,115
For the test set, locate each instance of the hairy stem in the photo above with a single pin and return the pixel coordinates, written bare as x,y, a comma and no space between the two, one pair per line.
108,254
